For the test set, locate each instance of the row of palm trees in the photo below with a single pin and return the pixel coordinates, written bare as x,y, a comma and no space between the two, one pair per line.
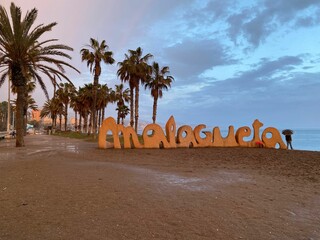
134,70
81,102
26,58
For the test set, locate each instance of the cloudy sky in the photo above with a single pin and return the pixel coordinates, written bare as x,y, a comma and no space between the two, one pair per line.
233,61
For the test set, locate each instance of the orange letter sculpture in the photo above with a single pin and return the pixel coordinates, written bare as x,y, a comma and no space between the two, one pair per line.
154,137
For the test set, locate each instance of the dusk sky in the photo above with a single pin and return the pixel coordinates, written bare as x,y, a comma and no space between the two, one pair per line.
233,60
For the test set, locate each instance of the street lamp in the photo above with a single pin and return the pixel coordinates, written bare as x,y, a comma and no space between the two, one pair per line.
9,110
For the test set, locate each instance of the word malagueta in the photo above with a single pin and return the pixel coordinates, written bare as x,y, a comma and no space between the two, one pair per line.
154,137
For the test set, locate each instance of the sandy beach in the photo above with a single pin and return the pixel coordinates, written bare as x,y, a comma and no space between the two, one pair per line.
59,188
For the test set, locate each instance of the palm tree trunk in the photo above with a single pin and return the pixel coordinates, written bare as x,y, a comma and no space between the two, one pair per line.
60,120
66,117
154,114
94,92
89,123
99,119
19,81
25,112
80,122
103,113
102,116
75,121
20,116
55,122
118,113
131,106
85,124
136,105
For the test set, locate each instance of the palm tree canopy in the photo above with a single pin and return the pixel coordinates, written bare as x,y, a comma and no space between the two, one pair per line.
121,95
94,54
158,80
31,103
85,98
134,68
65,92
23,53
104,96
51,108
74,101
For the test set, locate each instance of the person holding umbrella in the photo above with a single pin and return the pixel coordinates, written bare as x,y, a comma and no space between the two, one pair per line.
288,133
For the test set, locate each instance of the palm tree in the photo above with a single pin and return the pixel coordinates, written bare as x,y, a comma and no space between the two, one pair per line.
121,96
135,70
123,111
51,108
24,54
105,96
75,104
30,104
93,58
85,99
124,74
59,107
64,93
157,82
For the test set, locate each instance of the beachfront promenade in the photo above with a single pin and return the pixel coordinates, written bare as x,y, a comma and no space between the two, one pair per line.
60,188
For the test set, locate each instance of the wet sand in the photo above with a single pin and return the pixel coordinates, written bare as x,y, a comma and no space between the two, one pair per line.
58,188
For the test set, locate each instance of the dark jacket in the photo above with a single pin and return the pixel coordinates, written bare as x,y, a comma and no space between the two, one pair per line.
288,138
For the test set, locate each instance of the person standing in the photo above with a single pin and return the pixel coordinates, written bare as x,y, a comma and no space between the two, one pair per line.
289,141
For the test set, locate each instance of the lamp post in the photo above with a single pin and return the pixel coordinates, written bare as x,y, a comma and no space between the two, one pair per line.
9,108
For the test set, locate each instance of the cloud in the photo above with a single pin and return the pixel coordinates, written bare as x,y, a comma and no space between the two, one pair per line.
263,76
192,57
256,23
267,74
258,93
241,22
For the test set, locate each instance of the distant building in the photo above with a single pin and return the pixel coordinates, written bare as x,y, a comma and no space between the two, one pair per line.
72,121
35,115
